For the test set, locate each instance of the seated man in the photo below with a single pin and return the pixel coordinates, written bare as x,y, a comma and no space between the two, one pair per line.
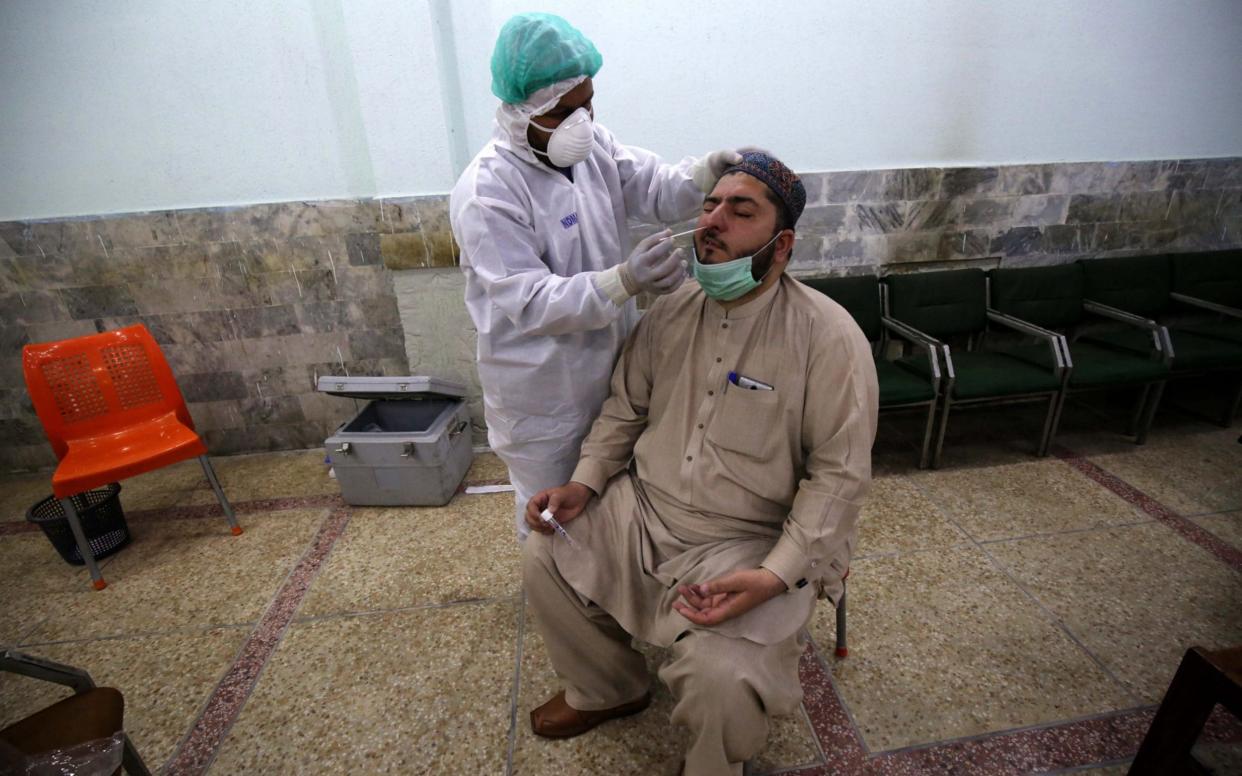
717,492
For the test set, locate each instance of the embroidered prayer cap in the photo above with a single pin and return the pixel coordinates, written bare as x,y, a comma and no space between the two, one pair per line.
780,179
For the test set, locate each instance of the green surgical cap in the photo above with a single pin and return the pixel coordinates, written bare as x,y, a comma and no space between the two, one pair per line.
535,50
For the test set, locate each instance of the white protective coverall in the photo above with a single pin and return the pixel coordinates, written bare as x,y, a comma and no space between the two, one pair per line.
533,247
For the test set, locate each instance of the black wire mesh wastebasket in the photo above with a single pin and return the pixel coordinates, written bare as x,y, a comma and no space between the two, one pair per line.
102,520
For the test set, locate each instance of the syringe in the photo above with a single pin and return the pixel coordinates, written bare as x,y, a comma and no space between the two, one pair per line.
547,517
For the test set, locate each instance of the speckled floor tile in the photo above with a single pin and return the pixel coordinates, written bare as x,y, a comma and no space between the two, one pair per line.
184,574
30,564
406,556
896,516
31,570
1137,597
1227,525
421,691
18,494
267,475
487,467
1021,499
1190,473
1220,759
165,681
20,617
943,645
643,744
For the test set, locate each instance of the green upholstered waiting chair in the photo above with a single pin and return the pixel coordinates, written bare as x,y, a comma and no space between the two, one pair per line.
1052,298
1142,287
1211,283
953,305
901,386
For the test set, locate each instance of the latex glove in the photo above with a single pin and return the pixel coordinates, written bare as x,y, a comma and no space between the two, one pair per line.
654,266
707,170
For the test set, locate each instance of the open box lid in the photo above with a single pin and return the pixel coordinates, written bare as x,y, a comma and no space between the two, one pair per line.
412,387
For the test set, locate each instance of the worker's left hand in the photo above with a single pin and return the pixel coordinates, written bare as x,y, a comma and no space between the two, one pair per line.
723,598
707,170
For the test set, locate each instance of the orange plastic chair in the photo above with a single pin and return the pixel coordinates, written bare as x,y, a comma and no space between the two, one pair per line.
111,409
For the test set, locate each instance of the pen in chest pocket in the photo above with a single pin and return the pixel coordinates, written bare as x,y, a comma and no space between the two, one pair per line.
742,381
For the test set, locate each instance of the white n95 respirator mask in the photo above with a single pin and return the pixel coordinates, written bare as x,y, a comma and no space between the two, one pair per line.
571,142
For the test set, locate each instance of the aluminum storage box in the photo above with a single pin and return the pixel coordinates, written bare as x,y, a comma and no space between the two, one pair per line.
409,445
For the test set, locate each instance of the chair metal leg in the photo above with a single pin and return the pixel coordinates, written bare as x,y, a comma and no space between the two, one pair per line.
131,761
841,650
1231,409
1149,412
944,424
224,502
84,546
927,434
1140,407
1050,423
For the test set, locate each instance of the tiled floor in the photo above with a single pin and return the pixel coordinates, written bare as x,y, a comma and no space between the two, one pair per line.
1007,615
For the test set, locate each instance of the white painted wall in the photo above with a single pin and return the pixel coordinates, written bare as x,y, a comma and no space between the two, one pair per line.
141,104
125,105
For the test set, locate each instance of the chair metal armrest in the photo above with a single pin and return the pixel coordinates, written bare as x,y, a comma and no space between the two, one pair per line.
907,331
38,668
1195,301
915,337
1159,334
1119,315
950,373
1060,350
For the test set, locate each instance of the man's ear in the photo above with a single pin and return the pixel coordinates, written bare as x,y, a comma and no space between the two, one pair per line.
784,245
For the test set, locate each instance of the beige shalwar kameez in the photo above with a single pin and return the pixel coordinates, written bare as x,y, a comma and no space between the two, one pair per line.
697,478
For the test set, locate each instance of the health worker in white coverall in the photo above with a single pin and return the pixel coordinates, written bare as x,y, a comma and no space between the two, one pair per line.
541,217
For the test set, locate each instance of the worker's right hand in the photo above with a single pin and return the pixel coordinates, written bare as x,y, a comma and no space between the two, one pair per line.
653,266
566,503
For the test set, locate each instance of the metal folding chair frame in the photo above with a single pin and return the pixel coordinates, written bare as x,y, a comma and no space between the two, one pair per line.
76,679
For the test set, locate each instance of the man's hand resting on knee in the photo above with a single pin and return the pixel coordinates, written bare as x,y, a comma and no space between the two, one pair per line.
566,502
724,598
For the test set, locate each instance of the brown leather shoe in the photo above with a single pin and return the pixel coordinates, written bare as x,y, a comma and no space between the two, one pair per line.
557,719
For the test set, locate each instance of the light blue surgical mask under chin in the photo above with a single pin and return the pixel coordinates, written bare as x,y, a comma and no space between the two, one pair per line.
728,280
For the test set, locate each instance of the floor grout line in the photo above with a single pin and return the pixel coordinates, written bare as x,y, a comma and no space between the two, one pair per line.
1088,766
1036,728
517,684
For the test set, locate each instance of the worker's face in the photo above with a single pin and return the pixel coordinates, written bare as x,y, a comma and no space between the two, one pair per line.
578,97
737,220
